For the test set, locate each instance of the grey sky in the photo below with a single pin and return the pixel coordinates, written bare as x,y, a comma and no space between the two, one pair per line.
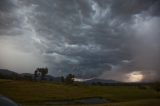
89,38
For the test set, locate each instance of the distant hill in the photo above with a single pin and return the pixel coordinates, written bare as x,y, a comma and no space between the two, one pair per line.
52,78
7,72
47,77
4,73
97,80
27,76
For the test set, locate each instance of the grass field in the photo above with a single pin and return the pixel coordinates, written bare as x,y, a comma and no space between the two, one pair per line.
30,93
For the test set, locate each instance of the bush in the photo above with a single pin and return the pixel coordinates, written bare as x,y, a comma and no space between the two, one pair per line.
156,86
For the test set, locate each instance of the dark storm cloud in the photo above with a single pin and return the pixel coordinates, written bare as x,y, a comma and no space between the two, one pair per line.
129,7
8,20
6,5
84,37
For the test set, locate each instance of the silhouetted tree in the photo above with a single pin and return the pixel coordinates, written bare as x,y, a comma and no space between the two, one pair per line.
62,79
156,86
69,79
42,71
36,74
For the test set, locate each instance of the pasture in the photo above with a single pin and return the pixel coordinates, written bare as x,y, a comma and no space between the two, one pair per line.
30,93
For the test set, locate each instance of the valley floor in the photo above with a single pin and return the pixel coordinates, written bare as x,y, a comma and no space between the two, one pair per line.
30,93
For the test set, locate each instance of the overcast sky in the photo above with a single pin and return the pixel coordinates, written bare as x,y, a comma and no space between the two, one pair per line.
89,38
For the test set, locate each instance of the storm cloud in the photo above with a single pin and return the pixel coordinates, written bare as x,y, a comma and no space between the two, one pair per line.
89,38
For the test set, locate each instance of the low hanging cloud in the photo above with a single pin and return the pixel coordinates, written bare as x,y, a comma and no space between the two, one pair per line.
89,38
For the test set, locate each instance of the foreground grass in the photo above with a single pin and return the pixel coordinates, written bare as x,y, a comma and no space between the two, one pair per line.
150,102
30,93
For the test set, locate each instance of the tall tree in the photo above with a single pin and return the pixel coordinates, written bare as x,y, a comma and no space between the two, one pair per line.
42,71
36,74
70,79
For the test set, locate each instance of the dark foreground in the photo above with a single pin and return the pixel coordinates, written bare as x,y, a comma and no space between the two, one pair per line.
29,93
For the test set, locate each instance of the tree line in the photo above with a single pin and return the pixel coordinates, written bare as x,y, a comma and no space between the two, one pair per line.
40,73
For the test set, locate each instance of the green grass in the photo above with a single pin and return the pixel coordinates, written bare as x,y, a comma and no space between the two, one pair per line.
30,93
150,102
